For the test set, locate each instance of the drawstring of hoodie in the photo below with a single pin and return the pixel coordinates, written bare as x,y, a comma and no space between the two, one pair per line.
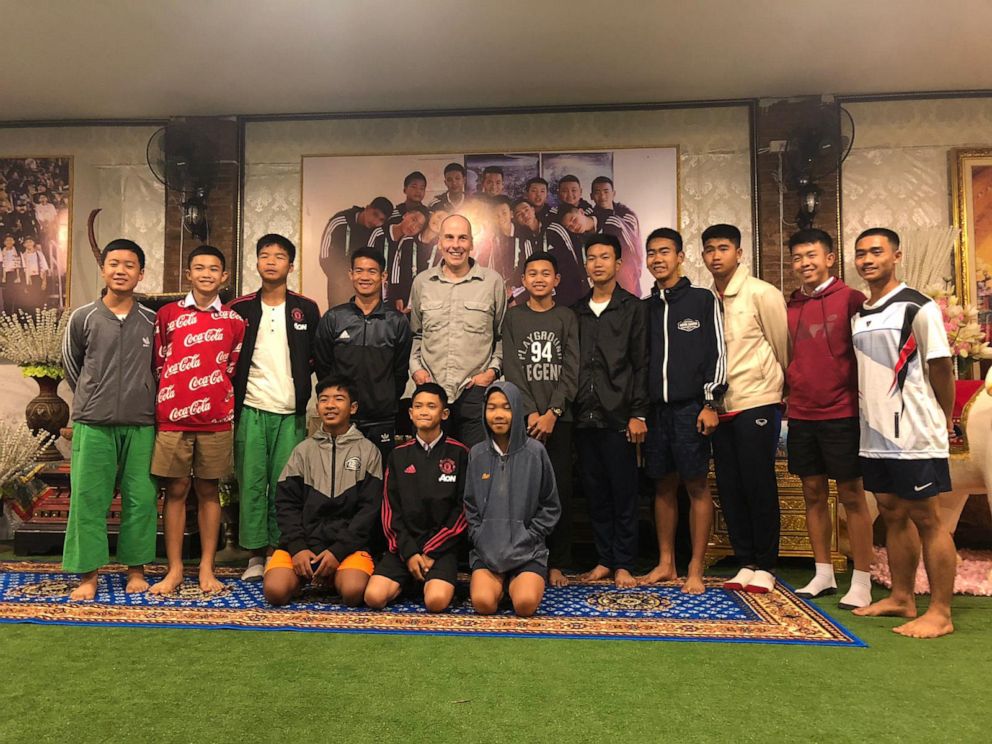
818,297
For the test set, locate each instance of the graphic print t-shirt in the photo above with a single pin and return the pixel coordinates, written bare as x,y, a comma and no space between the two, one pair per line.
894,340
541,356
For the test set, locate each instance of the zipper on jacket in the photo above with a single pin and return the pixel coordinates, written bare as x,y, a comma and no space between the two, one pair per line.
334,466
664,360
120,358
895,416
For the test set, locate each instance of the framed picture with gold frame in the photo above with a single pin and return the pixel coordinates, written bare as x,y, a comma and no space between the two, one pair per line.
971,176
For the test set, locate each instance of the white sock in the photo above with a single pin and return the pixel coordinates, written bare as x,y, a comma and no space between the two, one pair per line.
741,580
256,568
762,582
823,582
859,595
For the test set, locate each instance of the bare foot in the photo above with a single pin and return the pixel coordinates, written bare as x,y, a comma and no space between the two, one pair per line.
661,572
169,584
136,583
887,608
209,582
86,589
624,579
597,574
693,585
557,578
929,625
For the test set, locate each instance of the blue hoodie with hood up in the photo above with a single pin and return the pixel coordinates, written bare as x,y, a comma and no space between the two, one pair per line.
511,500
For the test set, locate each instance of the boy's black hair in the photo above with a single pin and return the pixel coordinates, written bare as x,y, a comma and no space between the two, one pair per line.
666,233
537,180
123,244
503,199
569,178
812,235
603,239
891,235
432,388
727,232
206,250
415,176
454,167
541,256
492,170
275,239
372,253
517,202
420,208
382,204
338,381
602,179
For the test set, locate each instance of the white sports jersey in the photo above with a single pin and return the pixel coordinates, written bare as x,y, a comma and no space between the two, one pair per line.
893,341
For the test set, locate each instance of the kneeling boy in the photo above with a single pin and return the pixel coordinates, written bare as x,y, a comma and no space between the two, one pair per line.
326,502
511,504
422,514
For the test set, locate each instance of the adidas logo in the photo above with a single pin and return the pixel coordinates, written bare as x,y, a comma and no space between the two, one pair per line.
344,334
410,469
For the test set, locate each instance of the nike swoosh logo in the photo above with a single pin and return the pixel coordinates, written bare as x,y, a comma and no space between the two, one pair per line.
920,488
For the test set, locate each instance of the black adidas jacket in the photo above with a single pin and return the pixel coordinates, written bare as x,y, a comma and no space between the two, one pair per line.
302,317
688,357
422,508
613,362
373,351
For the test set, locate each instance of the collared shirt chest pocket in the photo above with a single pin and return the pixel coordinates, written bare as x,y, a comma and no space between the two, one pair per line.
477,317
433,315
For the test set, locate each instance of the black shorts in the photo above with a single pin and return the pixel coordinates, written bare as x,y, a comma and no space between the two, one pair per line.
381,433
828,447
393,567
907,479
673,443
530,567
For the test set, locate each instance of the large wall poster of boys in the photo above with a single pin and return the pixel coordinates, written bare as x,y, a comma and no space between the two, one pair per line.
517,203
35,204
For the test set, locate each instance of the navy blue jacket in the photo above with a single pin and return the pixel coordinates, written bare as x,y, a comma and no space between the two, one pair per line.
687,358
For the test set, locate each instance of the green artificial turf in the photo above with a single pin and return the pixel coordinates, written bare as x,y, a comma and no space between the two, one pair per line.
82,684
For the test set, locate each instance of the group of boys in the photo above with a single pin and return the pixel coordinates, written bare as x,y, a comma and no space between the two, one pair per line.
507,231
687,372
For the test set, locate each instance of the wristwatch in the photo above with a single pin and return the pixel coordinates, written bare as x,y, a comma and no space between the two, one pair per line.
557,412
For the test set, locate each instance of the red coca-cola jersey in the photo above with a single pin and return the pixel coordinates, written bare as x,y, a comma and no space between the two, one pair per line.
196,352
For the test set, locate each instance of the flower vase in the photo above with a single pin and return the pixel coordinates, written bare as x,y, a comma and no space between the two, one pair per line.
49,413
964,368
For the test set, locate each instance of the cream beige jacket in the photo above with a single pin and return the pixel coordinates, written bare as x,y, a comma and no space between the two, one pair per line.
756,330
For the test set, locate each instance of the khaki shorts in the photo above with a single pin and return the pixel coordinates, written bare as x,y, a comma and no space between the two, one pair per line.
205,454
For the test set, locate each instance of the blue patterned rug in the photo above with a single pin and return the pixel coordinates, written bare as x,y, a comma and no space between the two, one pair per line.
36,593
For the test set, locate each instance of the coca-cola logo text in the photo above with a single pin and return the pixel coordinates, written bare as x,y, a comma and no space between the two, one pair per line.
211,334
183,321
166,393
202,405
184,365
214,378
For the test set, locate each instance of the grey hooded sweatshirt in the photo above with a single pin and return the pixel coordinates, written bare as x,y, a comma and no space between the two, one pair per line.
511,500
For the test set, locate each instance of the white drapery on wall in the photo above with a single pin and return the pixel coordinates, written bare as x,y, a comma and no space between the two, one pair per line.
133,206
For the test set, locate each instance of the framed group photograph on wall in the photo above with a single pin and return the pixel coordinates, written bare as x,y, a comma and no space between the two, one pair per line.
35,232
517,203
971,171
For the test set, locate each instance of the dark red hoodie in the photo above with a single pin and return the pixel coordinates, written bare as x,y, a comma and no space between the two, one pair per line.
822,377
